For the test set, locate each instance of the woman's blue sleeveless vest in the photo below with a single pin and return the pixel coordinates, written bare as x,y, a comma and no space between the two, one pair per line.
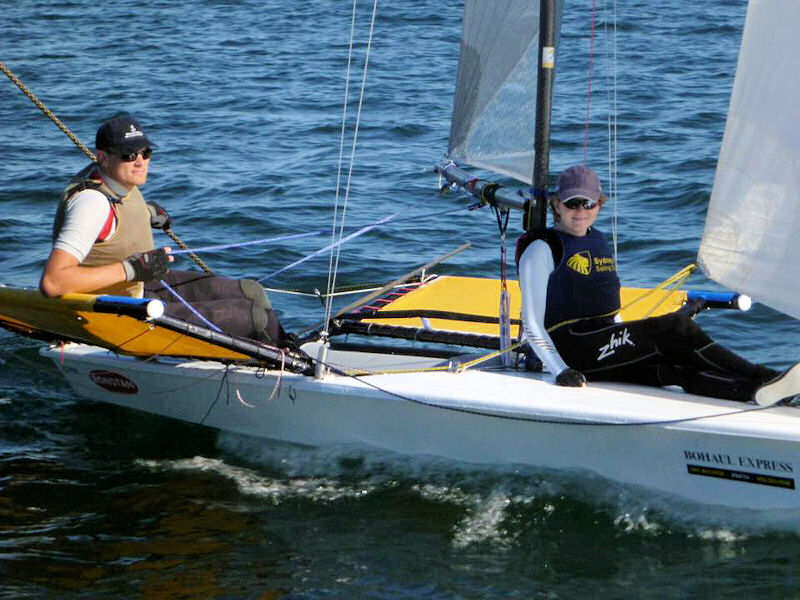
584,284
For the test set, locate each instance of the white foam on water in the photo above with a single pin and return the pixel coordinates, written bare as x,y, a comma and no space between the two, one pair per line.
483,522
253,483
638,524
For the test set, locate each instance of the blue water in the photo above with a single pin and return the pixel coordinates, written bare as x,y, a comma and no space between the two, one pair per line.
244,100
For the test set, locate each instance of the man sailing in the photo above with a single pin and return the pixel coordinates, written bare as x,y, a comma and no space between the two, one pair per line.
103,243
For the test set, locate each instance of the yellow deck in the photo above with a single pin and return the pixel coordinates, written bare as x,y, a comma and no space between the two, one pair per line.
479,296
72,317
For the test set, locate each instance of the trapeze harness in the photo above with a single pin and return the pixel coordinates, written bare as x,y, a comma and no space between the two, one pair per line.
584,287
133,231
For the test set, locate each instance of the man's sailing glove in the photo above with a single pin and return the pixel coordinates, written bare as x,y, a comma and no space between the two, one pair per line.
159,218
146,266
571,378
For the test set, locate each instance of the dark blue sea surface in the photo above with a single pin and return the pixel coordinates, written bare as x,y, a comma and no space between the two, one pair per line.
244,101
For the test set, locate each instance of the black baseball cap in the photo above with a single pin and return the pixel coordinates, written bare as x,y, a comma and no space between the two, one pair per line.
121,133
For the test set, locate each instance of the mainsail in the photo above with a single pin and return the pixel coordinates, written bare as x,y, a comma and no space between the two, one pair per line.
750,238
495,100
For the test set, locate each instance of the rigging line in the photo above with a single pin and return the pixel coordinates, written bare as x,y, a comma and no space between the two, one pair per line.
461,367
334,294
276,389
589,85
120,348
341,149
402,279
504,317
671,284
612,126
361,231
546,421
352,156
292,236
219,393
90,155
189,306
280,238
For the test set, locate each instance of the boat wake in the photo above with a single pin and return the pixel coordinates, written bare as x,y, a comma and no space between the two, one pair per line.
500,507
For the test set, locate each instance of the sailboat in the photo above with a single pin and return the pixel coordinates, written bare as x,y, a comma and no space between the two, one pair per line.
467,404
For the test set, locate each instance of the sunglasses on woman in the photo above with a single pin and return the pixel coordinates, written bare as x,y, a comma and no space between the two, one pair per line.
131,156
574,203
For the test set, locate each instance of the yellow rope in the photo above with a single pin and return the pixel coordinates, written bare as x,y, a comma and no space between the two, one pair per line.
360,372
453,368
671,282
467,365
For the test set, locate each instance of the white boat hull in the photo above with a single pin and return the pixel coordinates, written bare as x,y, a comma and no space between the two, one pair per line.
708,451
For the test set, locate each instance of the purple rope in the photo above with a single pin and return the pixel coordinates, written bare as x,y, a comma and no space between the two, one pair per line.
190,307
329,246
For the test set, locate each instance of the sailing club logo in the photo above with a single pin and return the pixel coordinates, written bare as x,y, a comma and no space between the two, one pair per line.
132,133
620,338
580,262
113,382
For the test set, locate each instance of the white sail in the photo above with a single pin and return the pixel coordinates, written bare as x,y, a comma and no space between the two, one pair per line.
494,109
753,222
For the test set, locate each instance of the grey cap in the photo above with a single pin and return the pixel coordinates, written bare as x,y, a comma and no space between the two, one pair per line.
579,182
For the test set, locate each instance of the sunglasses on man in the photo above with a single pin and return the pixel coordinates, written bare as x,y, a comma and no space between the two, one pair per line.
131,156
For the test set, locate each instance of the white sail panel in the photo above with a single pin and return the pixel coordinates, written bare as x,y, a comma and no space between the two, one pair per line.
494,110
753,222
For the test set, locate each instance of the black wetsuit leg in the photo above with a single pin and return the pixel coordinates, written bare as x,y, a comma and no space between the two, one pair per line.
667,350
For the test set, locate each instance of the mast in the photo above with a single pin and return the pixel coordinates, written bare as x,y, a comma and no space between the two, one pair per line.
498,89
536,213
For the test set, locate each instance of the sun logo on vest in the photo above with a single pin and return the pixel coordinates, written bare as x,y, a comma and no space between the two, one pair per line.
580,262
